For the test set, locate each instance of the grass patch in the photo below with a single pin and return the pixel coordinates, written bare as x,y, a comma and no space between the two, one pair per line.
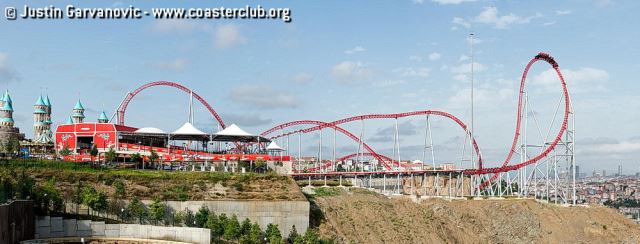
327,192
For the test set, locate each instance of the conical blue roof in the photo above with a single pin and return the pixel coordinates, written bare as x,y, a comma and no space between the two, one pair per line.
7,106
79,105
40,101
103,116
7,97
47,101
69,120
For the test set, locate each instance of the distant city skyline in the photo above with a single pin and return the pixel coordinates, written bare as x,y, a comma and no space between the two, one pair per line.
338,59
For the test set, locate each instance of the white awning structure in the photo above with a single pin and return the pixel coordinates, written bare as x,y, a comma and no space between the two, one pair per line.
274,147
189,132
188,129
150,130
233,133
233,130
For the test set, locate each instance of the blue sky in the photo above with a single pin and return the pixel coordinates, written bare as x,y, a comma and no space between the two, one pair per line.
339,59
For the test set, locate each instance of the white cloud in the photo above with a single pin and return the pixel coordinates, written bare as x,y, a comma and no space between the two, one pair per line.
549,23
173,25
490,16
447,2
263,97
228,35
417,1
621,147
356,49
461,22
348,71
482,97
463,58
244,119
579,80
415,58
563,12
7,73
413,72
178,64
387,83
302,78
461,77
466,68
434,56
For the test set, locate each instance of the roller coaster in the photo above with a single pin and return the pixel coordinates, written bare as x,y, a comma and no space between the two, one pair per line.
548,174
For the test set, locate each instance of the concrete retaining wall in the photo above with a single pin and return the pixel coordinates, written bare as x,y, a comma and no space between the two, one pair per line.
56,227
283,213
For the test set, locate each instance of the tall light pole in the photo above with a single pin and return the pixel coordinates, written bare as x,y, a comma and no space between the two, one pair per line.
472,136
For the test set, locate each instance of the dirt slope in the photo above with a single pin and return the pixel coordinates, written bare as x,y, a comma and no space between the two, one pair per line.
363,217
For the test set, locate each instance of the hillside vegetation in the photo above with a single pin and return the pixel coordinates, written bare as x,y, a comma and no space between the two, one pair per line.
363,217
152,184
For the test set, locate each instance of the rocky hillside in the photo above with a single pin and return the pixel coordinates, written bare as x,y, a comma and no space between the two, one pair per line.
364,217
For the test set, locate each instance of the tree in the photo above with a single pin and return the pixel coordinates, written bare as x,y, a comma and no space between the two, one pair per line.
136,158
94,150
12,146
120,189
178,218
294,237
95,200
137,210
157,211
153,156
215,225
273,234
245,227
65,151
202,216
189,219
110,155
311,236
232,229
48,198
255,234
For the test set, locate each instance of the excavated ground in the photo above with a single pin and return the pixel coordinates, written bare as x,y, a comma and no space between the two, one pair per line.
363,217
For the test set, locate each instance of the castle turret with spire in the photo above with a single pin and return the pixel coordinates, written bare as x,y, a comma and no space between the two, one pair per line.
103,118
78,113
8,131
42,120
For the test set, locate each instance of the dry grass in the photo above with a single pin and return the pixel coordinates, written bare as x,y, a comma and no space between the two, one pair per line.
370,218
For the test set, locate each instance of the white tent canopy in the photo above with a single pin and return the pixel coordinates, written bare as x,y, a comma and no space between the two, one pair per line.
189,132
150,130
233,130
235,134
188,129
274,147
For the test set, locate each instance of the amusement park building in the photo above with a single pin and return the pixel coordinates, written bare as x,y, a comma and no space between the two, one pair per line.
79,137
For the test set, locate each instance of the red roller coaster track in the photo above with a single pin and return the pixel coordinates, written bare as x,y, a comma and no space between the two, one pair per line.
480,170
123,106
380,116
341,130
505,167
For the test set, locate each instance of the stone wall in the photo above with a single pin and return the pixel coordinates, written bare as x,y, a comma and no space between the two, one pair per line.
283,213
16,221
57,227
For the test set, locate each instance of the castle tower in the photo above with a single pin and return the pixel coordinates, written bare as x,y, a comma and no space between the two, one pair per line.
78,113
69,121
39,117
42,120
103,118
6,111
48,103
